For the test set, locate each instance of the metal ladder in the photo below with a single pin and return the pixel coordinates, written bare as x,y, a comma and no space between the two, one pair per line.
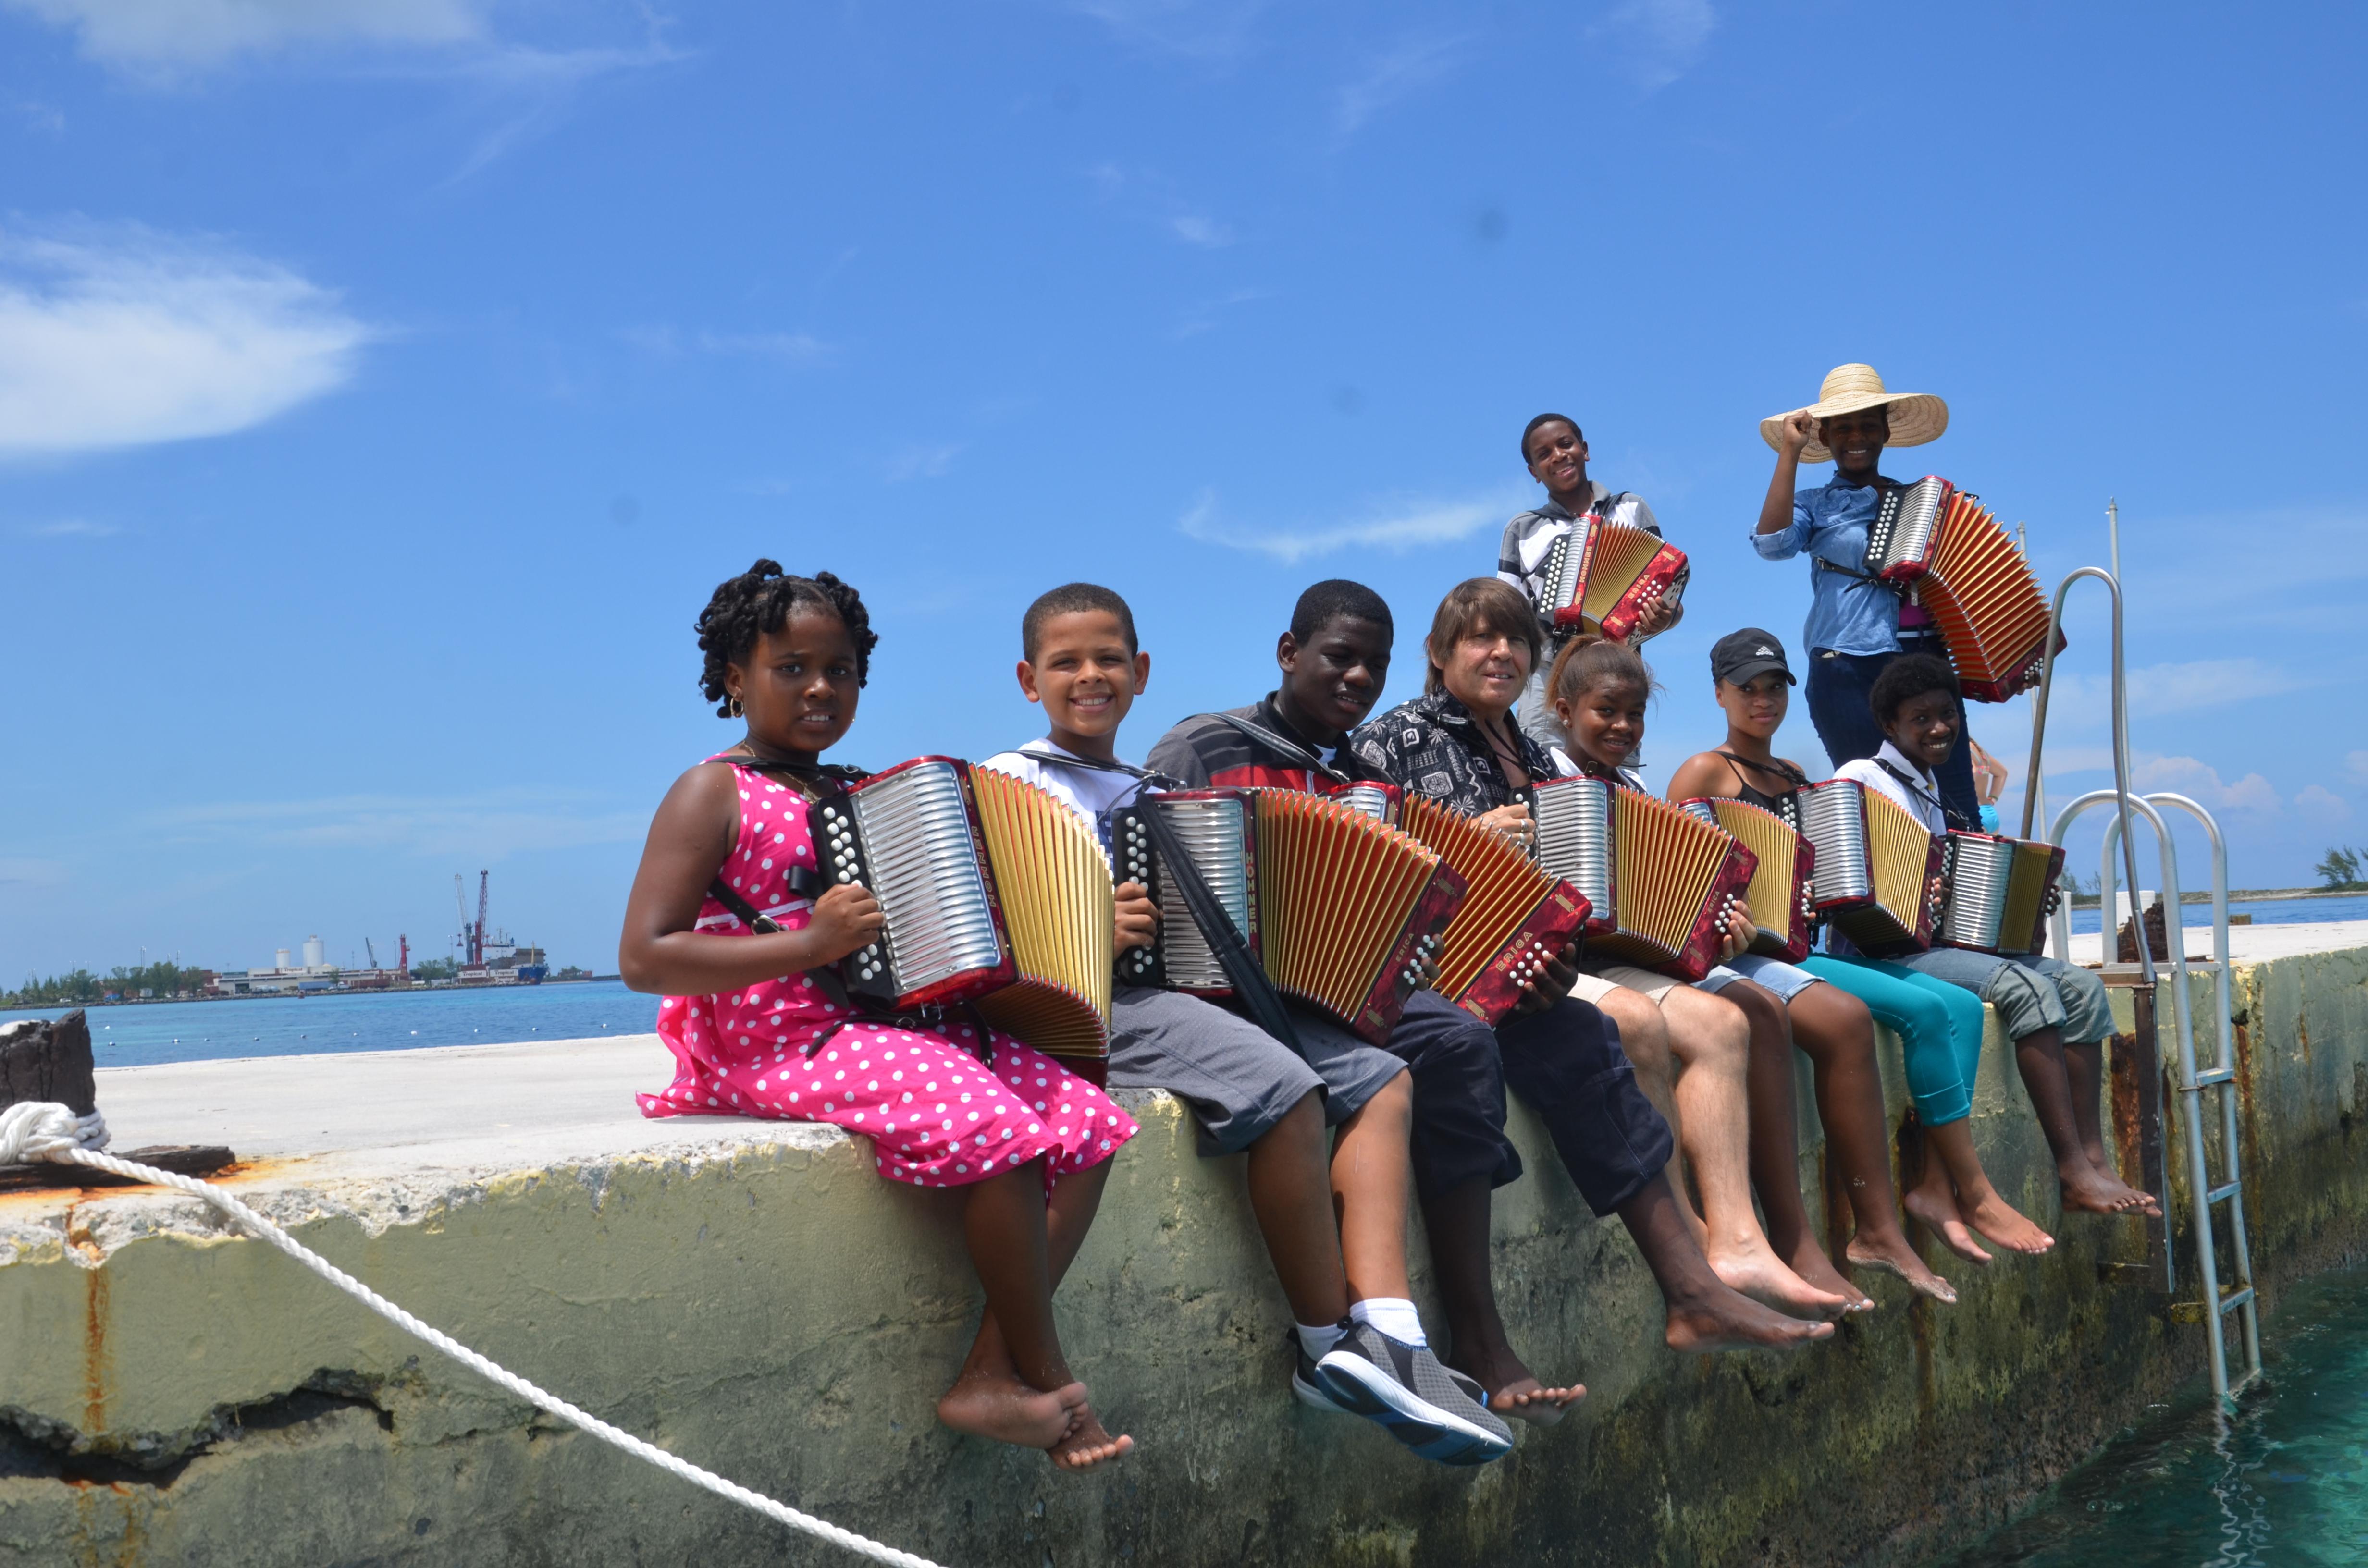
2195,1084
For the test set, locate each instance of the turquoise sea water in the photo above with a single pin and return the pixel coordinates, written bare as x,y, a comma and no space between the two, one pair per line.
2284,1485
300,1026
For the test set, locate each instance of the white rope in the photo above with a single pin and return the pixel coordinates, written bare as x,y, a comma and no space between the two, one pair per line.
47,1131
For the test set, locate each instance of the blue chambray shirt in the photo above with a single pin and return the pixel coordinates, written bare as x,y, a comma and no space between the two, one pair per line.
1847,614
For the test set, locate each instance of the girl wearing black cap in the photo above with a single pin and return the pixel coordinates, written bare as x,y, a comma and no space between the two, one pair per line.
1940,1034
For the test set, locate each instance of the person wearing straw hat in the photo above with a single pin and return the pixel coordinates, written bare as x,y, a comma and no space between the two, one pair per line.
1856,625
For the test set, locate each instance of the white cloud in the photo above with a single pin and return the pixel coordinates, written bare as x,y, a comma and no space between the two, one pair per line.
1390,78
2188,776
789,348
1397,529
1207,30
1203,317
126,337
922,462
2355,767
2159,690
33,873
1658,40
489,826
2321,804
1193,228
70,527
163,37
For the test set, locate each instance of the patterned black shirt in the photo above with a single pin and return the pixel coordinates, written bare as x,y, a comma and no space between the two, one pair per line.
1433,747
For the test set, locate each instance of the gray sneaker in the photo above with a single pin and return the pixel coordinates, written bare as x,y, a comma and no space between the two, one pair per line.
1407,1388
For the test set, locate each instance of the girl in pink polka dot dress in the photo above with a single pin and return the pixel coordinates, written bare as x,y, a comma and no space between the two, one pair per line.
1027,1142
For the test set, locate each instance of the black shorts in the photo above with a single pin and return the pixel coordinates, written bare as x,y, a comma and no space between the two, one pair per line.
1566,1062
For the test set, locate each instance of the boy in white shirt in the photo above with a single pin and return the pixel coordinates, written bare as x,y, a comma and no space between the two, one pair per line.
2054,1012
1361,1346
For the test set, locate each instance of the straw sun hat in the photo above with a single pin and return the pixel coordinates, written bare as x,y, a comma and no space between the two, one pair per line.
1916,417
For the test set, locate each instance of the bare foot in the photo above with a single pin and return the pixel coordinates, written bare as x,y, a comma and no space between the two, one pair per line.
1938,1211
1725,1321
1530,1399
1088,1445
1513,1390
1010,1411
2002,1224
1759,1273
1817,1271
1893,1255
2094,1191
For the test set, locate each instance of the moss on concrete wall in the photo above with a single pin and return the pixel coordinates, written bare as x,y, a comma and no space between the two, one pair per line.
761,1303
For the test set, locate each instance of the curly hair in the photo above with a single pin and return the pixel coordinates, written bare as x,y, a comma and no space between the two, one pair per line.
758,601
1906,679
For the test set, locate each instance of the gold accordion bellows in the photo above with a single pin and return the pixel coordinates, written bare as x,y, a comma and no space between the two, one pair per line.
1059,910
1515,916
1600,576
1662,882
1878,878
1780,887
1339,907
994,893
1998,893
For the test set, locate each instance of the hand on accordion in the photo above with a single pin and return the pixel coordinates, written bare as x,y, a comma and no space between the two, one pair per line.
1740,932
1137,925
1551,985
1657,616
1513,823
844,918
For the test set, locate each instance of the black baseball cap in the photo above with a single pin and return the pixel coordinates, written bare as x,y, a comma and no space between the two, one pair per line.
1740,655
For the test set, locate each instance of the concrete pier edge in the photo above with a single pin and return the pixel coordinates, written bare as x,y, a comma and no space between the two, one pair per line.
752,1297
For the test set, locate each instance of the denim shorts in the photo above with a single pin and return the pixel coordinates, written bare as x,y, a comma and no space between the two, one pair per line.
1787,981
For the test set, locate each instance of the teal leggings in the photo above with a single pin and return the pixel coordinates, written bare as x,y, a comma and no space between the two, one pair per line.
1939,1026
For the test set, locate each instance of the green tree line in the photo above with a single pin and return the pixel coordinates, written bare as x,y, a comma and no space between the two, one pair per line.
81,987
2339,868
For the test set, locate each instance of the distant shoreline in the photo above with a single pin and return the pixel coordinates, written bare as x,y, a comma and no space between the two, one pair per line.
2239,895
299,996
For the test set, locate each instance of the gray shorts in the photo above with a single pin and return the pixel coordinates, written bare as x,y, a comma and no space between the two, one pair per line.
2029,994
1238,1079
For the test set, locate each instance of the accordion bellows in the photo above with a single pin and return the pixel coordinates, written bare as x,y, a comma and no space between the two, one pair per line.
1999,892
1600,576
1980,592
1515,916
994,893
1058,910
1878,878
1780,886
1661,880
1339,907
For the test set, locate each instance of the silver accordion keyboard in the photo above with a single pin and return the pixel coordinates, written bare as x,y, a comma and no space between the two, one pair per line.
913,828
1575,837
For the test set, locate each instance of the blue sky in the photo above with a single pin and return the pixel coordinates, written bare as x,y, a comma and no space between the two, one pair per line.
385,383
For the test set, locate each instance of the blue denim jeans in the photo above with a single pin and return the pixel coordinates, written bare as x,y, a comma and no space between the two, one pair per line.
1837,691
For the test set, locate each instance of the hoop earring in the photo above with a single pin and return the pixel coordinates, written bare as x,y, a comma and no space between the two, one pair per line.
733,710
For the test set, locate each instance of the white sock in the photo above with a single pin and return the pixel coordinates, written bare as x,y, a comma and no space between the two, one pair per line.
1393,1316
1317,1340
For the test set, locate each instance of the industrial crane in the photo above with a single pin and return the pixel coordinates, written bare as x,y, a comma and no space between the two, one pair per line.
472,937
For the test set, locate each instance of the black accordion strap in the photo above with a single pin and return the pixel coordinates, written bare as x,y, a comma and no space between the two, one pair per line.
1248,976
1955,818
1290,750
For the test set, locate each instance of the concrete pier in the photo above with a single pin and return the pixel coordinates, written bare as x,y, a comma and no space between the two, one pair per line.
750,1296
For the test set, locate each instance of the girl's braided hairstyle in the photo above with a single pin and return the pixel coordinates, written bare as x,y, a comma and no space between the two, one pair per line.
758,601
